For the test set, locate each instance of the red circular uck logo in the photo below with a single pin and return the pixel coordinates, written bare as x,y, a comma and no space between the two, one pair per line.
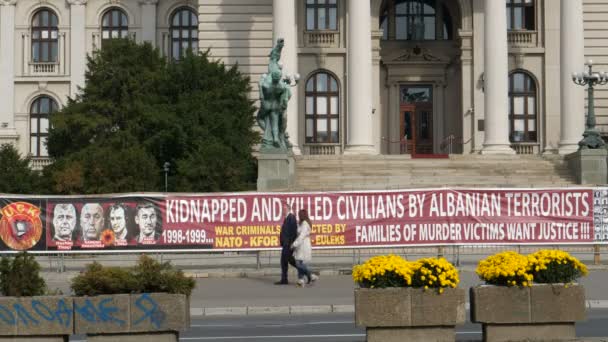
20,227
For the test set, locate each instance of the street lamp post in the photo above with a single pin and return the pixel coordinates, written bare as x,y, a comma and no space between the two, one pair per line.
591,137
166,169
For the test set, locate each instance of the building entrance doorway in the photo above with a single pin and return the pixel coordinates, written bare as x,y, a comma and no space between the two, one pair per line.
416,115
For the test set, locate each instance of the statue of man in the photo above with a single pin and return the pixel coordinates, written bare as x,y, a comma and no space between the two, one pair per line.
275,93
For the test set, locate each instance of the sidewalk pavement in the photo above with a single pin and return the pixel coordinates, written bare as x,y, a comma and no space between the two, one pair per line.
254,292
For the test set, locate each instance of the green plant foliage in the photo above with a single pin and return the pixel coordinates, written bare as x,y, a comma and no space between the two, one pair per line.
20,276
138,111
146,277
17,177
98,280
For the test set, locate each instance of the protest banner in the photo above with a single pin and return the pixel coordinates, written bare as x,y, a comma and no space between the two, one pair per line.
252,221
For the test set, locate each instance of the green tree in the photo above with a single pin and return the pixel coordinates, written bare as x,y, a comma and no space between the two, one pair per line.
17,177
137,112
20,276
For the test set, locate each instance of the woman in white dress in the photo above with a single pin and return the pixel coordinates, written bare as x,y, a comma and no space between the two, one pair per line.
303,249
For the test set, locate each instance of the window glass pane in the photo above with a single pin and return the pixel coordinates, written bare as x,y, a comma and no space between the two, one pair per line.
310,105
105,34
45,34
54,34
310,19
310,84
44,125
106,19
115,21
518,18
333,84
333,19
321,126
518,82
33,146
53,20
310,2
321,105
125,20
43,149
429,28
175,19
36,20
114,34
53,52
321,2
531,106
321,82
401,7
194,34
193,19
519,125
44,105
518,105
33,125
334,125
428,9
321,19
334,105
44,56
124,34
185,16
509,24
175,33
309,128
531,125
175,50
401,28
333,2
44,16
36,52
36,34
194,46
185,33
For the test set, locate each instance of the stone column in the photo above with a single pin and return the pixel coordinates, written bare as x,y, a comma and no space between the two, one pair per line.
284,26
7,71
572,51
496,77
78,52
359,116
148,21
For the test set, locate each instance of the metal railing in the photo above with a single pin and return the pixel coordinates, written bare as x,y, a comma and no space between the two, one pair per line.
402,144
338,260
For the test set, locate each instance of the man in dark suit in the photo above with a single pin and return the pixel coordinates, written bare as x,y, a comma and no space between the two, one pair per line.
289,232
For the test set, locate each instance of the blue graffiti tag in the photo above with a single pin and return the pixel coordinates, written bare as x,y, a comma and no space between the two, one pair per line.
25,316
64,313
150,310
101,313
7,316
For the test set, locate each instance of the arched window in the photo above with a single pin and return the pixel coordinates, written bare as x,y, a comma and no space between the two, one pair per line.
184,32
522,108
44,36
114,24
416,20
322,109
321,15
520,15
40,111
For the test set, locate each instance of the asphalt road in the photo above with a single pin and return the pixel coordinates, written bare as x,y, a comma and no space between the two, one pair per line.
331,327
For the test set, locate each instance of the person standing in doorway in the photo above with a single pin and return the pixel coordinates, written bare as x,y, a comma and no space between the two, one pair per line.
289,232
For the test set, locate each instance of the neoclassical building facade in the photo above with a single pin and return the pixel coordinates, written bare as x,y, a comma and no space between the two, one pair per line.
377,76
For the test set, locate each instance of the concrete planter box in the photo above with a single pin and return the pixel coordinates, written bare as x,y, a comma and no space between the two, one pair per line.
409,314
543,312
152,316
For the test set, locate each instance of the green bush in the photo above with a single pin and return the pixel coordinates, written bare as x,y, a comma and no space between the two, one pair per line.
20,276
147,276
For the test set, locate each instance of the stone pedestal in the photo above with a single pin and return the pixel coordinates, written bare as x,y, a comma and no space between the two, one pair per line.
543,312
409,314
589,166
276,171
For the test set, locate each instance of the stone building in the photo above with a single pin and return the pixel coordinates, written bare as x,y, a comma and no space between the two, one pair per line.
377,76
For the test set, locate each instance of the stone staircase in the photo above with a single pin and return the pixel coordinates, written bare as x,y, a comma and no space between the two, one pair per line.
326,173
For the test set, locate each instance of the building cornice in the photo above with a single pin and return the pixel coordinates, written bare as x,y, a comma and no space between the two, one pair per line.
77,2
8,2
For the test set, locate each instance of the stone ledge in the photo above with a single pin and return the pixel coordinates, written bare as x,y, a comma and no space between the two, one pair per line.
540,303
409,307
